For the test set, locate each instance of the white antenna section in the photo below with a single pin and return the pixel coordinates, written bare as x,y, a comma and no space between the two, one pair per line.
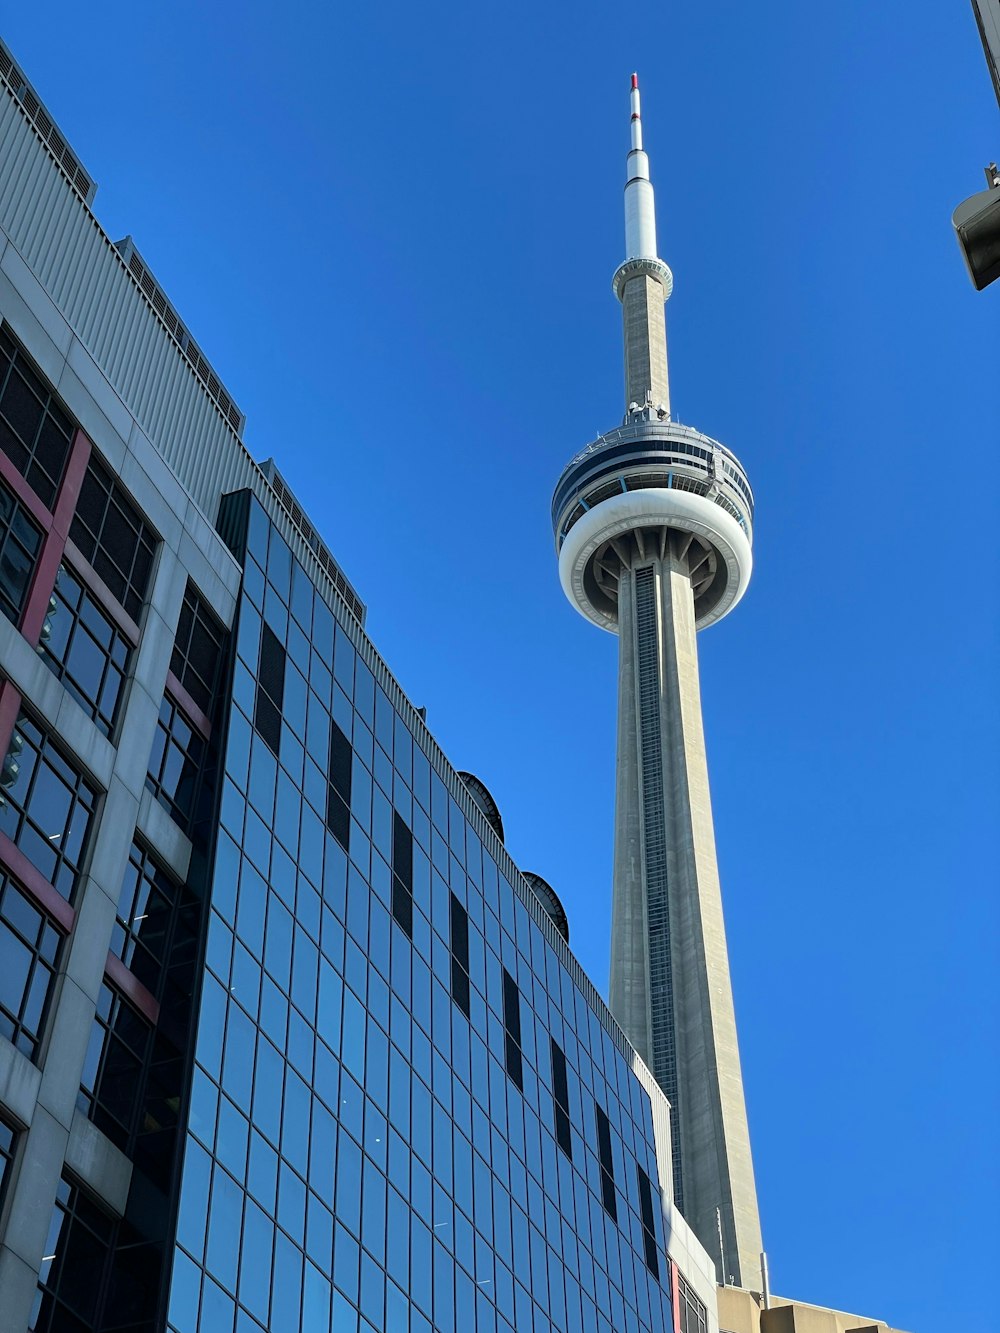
640,216
642,284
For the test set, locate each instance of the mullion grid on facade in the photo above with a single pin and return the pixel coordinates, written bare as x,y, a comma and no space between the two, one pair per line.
384,1001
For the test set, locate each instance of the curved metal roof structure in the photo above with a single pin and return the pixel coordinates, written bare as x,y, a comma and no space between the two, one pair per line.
483,797
549,899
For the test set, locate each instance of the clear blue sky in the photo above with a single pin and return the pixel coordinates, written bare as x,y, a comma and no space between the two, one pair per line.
392,228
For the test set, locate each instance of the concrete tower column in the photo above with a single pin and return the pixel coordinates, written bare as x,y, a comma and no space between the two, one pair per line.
645,329
670,987
653,525
629,997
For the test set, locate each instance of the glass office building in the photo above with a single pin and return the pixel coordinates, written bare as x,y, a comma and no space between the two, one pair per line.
287,1042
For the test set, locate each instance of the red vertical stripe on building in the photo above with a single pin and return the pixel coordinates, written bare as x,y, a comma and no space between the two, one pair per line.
10,706
55,539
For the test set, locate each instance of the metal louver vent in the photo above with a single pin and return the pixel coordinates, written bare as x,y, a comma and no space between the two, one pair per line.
313,539
45,128
156,297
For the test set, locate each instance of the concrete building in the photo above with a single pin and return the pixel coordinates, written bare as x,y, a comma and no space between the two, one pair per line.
287,1041
653,527
745,1312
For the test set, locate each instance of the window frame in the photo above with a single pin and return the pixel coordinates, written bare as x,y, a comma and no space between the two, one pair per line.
165,744
19,511
196,616
513,1054
91,544
72,1208
9,1136
19,363
61,667
144,876
605,1152
99,1052
83,793
269,695
28,1038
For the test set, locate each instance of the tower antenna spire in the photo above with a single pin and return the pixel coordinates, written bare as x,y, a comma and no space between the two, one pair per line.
642,284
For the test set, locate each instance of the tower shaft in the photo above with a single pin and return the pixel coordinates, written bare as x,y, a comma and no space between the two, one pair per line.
645,329
670,986
653,525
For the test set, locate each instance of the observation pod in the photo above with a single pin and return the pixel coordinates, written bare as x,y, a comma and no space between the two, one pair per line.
645,487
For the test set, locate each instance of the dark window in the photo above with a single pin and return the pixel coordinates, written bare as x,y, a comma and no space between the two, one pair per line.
175,764
112,1079
45,805
270,689
35,433
460,955
648,1222
157,926
693,1315
560,1097
338,797
512,1029
198,650
7,1141
20,541
76,1255
402,873
607,1164
29,946
83,647
113,536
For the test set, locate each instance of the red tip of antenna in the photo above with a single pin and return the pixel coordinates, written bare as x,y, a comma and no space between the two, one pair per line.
635,80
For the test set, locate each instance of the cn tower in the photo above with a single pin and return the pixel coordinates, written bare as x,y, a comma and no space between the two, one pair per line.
653,528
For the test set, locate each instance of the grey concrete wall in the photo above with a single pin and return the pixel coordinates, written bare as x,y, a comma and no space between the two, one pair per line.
628,988
644,320
56,1137
40,1098
715,1142
716,1165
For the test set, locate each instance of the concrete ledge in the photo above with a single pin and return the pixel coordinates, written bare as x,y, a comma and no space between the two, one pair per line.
108,403
165,838
742,1311
18,1280
19,1084
98,1164
70,1025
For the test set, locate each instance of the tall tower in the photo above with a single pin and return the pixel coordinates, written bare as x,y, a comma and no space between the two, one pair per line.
653,530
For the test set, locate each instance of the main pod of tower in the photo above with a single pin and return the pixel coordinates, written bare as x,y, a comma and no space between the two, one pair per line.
653,524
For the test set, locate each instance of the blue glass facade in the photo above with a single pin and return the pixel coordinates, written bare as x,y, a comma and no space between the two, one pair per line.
359,1153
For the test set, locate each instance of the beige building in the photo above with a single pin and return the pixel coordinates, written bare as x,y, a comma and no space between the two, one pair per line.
741,1312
